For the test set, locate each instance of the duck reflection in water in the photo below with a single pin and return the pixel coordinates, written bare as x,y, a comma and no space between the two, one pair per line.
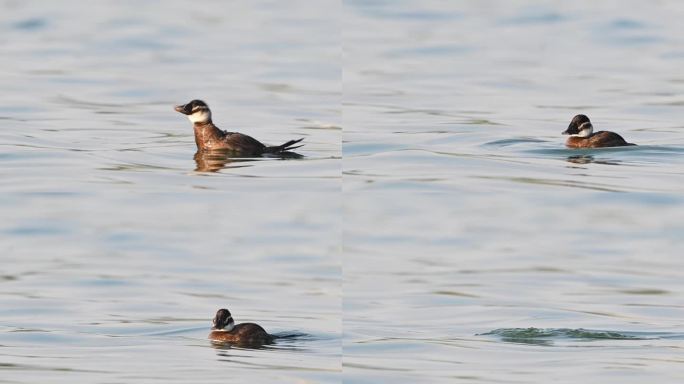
586,159
213,161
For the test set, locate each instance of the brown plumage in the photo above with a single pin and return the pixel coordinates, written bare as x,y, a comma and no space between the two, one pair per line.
245,334
209,137
597,140
582,135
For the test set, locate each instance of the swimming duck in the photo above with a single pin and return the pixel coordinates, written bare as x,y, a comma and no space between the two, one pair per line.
209,137
225,330
582,135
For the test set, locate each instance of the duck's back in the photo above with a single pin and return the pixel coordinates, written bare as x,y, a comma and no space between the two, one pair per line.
600,139
245,334
209,137
242,143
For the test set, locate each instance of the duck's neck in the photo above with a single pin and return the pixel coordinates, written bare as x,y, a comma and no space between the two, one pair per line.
207,135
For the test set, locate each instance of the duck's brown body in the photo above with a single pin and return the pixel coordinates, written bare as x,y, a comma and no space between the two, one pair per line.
209,137
599,139
243,334
246,334
582,135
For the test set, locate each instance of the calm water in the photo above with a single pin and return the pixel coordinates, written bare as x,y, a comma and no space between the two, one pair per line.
115,251
467,223
457,241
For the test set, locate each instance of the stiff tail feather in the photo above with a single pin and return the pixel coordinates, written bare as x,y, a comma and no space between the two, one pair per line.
290,145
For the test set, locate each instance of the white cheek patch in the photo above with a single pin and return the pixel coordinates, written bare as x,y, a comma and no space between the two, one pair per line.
229,327
200,116
585,130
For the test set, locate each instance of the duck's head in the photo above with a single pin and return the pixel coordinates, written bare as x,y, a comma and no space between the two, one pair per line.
579,126
223,321
196,110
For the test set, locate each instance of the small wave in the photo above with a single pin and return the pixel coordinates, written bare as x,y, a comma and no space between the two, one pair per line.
521,334
293,336
547,336
509,142
638,150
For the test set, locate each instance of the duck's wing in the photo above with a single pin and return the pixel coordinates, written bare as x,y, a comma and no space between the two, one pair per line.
243,143
611,139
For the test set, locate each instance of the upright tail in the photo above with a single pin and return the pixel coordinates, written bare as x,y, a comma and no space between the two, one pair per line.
290,145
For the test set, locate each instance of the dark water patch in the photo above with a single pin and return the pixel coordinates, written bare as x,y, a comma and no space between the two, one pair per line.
293,336
38,368
480,121
555,183
636,40
626,24
646,291
547,336
20,330
62,99
638,150
676,103
626,32
454,293
137,167
32,24
534,17
56,194
419,111
106,281
510,142
392,10
38,230
172,332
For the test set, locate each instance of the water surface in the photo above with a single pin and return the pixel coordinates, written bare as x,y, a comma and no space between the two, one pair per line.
466,215
118,245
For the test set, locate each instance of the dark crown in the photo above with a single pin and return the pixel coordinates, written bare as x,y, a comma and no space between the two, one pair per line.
222,318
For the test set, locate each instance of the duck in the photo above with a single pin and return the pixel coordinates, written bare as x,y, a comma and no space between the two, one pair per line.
209,137
582,135
224,330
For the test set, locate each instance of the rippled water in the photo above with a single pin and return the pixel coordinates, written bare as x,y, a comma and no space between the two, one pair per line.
457,240
117,244
467,222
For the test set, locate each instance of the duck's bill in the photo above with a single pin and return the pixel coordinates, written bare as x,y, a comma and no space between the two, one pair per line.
184,109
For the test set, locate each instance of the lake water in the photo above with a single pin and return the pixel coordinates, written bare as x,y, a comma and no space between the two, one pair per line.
467,222
436,229
117,246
